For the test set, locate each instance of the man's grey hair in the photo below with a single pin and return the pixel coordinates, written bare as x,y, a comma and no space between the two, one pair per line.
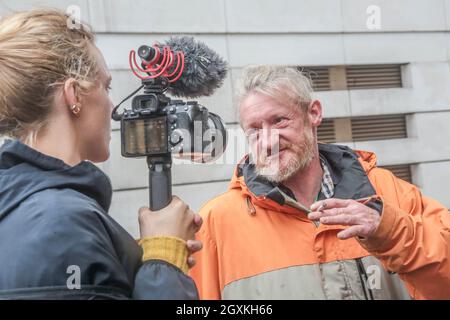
284,83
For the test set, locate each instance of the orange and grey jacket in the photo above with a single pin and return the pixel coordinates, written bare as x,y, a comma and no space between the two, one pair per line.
258,245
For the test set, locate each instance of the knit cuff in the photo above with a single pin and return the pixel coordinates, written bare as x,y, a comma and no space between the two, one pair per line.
170,249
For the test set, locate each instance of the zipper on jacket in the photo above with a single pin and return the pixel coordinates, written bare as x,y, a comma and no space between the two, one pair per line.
364,279
250,207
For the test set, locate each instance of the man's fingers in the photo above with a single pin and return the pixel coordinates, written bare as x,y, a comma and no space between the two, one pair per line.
329,204
351,232
343,219
316,215
194,245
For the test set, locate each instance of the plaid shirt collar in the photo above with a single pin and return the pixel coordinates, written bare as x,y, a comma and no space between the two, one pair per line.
327,186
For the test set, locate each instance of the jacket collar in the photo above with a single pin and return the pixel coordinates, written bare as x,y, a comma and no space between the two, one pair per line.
25,171
347,172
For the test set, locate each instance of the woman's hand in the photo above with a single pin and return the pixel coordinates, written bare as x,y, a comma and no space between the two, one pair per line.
175,220
193,246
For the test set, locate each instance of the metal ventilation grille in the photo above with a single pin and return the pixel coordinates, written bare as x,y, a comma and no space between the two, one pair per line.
374,76
325,132
379,127
402,171
320,77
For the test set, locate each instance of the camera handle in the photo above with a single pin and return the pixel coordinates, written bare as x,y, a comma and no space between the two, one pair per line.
160,181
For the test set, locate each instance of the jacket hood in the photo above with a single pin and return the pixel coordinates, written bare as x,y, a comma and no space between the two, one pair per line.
341,160
25,171
367,159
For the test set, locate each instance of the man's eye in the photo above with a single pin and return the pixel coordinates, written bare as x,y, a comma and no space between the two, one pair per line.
251,132
252,135
279,119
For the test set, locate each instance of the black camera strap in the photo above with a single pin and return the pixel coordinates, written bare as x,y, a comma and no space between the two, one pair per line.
114,115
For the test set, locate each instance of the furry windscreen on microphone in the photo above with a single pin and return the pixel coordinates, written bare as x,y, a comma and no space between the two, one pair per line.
204,69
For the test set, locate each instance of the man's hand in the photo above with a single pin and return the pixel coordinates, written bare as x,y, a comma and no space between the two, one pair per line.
363,221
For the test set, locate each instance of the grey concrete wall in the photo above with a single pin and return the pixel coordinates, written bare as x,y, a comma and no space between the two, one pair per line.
297,32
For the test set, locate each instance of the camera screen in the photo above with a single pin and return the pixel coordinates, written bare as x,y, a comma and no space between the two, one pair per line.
143,137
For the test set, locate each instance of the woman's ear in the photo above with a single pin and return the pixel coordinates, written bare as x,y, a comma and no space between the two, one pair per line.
315,113
70,92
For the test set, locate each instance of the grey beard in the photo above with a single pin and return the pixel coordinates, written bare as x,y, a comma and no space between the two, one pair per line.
302,160
293,166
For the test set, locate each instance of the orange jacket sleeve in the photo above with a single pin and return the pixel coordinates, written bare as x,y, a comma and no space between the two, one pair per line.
413,238
206,271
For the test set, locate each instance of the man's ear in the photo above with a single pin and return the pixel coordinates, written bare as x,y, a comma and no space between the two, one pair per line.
315,113
70,92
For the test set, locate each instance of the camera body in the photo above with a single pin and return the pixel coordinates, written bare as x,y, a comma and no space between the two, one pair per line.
158,126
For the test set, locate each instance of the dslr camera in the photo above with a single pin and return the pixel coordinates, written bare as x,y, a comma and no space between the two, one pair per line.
158,127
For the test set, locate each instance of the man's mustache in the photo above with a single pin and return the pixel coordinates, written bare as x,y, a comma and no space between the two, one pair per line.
270,152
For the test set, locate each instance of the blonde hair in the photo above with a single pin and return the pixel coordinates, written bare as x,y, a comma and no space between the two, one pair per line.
284,83
38,52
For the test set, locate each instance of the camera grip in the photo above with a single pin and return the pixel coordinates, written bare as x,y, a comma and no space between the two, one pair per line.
160,183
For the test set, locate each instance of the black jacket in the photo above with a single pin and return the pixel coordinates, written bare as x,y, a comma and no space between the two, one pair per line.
54,223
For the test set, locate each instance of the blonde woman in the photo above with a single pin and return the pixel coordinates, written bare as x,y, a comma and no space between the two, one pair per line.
56,238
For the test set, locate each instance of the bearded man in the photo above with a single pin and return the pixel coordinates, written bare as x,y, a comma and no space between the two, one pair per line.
306,220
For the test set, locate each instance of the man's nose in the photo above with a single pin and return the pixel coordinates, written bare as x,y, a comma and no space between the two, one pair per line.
267,140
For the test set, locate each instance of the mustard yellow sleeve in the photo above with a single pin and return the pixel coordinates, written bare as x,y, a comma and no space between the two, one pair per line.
170,249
